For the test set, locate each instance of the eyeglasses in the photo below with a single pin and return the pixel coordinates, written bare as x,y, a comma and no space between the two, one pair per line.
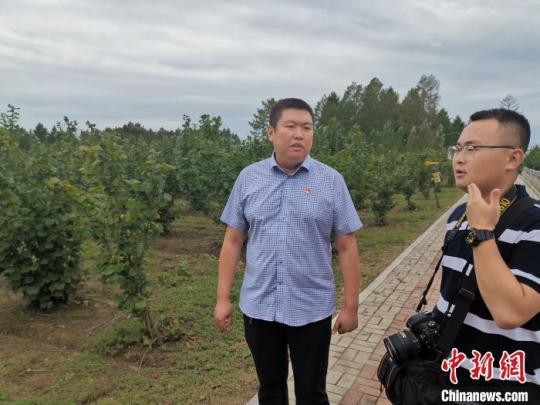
468,150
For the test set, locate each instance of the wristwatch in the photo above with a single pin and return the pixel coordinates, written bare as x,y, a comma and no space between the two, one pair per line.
475,236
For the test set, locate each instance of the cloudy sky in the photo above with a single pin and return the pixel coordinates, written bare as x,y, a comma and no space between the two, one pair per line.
111,62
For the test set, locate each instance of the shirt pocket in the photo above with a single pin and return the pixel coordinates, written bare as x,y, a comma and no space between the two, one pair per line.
315,210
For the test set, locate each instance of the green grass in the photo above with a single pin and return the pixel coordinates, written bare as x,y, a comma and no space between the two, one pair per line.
204,366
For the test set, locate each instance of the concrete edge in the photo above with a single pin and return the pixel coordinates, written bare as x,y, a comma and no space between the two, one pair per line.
529,185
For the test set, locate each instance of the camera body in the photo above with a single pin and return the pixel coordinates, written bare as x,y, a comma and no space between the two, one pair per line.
419,341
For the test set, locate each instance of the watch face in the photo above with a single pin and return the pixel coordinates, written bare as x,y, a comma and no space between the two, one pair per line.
470,238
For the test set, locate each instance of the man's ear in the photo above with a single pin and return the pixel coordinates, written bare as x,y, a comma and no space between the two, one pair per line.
271,132
516,158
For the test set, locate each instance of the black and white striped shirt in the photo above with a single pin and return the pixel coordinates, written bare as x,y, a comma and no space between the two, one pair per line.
519,245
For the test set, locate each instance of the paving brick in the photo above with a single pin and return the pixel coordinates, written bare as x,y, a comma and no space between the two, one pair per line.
383,401
345,341
337,349
351,398
368,400
374,320
349,354
361,348
366,382
368,371
335,338
333,376
340,368
361,357
365,343
334,398
351,364
346,381
375,338
375,356
336,389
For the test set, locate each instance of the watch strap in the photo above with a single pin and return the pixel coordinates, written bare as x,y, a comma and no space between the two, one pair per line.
479,235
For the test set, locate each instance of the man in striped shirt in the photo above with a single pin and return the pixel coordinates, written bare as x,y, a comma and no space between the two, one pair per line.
288,206
500,336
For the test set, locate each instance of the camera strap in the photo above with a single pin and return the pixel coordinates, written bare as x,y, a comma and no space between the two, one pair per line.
448,238
469,288
505,203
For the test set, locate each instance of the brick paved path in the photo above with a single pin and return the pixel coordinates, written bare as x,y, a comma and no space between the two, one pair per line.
384,306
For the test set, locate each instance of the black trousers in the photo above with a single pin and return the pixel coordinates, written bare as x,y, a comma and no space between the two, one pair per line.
308,347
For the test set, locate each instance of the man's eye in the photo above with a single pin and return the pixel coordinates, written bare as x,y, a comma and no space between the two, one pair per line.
469,148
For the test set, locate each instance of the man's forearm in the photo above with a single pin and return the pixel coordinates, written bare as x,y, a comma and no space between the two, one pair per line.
228,262
349,265
501,290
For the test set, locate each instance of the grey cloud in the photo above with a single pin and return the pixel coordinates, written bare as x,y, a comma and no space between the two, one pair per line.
145,61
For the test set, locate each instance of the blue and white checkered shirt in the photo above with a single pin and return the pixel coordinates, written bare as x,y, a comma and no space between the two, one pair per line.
290,219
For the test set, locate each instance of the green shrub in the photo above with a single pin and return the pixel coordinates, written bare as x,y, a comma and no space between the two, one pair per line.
532,160
115,339
40,239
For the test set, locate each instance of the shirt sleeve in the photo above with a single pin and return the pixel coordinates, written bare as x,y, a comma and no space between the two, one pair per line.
525,259
233,213
346,218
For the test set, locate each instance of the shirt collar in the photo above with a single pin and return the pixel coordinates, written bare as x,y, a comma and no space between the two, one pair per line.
306,164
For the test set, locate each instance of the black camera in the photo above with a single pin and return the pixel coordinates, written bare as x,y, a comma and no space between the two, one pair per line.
419,341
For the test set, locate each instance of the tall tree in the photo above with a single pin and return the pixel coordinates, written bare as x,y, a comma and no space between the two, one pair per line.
509,102
328,108
261,119
412,111
428,87
445,125
10,119
330,139
371,115
40,132
457,125
352,101
257,146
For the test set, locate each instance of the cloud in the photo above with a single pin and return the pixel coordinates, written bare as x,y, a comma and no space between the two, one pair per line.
109,62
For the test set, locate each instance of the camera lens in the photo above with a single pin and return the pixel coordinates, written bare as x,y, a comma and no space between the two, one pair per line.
403,346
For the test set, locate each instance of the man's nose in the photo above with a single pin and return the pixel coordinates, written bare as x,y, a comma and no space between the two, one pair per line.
298,133
459,157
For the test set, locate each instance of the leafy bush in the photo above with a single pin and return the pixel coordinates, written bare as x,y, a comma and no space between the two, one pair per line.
382,186
124,192
40,238
406,171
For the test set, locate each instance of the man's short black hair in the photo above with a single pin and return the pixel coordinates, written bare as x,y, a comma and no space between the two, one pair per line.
514,121
286,103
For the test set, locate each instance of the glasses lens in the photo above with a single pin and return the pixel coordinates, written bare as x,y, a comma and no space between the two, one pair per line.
452,150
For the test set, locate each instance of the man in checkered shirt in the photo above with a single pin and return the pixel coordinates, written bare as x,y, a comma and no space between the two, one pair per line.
289,206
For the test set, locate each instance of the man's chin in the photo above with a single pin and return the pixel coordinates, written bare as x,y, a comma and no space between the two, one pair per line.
297,158
462,184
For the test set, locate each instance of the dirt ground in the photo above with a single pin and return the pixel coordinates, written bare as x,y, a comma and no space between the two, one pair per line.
45,354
